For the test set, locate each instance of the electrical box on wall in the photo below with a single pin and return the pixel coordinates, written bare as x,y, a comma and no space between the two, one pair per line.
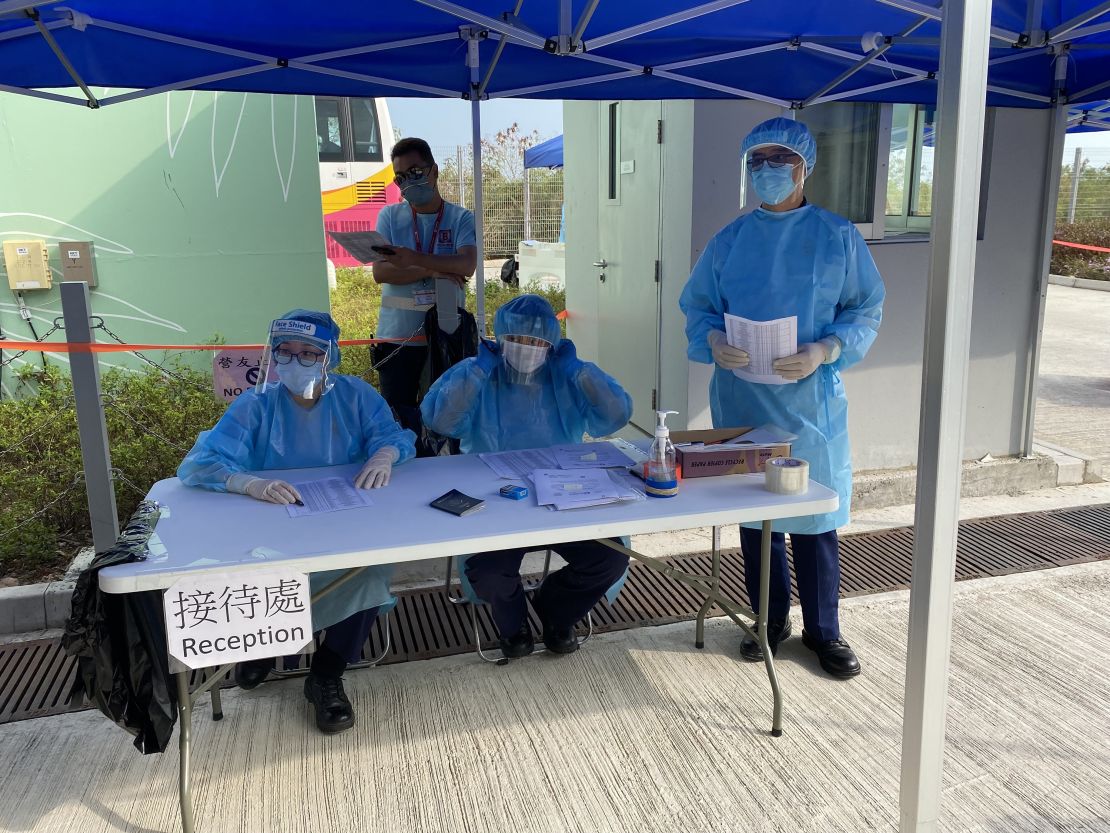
27,264
77,262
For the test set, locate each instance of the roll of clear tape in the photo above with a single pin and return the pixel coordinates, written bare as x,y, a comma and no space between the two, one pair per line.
787,476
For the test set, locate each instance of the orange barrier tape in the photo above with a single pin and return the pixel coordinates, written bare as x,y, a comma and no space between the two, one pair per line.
67,347
561,316
1081,246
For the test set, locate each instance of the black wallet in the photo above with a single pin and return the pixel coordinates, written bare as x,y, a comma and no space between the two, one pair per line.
457,503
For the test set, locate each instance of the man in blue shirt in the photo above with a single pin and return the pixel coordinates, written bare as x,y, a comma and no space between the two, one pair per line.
431,239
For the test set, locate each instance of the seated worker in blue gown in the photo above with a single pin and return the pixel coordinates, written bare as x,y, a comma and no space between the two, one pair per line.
300,415
530,390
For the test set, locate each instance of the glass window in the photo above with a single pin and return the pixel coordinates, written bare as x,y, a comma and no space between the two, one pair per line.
843,180
329,129
365,130
909,188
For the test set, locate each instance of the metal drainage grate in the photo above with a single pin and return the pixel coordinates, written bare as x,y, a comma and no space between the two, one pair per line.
36,676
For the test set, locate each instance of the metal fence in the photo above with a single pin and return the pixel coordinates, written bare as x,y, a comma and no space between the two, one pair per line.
1089,197
517,204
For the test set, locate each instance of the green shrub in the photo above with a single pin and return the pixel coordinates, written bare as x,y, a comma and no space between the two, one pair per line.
1078,262
152,421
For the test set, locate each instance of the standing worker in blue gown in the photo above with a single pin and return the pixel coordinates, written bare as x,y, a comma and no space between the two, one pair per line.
302,415
790,258
530,390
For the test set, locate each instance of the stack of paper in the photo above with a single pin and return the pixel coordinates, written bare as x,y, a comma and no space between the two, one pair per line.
519,465
600,455
576,489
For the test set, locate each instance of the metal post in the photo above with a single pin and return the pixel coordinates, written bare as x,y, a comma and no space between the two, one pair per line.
527,207
1075,184
462,176
472,61
1051,188
711,596
961,114
91,427
761,626
184,740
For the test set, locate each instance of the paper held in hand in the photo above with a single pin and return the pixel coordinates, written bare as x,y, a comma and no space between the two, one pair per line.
763,341
359,244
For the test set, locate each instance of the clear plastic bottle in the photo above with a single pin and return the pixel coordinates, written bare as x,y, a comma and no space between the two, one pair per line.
661,467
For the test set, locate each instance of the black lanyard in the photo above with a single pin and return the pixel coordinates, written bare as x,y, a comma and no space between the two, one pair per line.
435,229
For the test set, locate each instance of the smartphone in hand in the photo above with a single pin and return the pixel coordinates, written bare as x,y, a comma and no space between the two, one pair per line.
384,250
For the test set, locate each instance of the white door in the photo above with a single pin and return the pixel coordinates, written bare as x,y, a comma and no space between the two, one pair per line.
627,263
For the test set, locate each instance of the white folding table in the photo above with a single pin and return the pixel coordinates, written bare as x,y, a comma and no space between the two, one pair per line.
204,531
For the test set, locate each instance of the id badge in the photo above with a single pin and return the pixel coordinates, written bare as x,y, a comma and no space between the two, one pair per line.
424,297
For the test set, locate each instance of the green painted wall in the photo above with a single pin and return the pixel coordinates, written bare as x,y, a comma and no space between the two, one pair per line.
204,209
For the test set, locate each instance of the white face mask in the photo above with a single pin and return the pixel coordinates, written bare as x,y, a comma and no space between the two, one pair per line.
299,379
524,358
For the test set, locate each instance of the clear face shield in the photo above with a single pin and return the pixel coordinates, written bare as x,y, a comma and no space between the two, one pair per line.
771,170
524,357
297,357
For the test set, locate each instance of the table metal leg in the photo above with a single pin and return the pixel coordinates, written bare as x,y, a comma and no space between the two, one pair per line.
761,621
185,728
217,703
699,635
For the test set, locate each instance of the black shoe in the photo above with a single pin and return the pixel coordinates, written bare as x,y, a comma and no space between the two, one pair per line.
835,656
334,712
520,644
252,673
776,633
560,640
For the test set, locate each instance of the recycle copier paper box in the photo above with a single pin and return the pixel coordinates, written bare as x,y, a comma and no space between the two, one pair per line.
731,459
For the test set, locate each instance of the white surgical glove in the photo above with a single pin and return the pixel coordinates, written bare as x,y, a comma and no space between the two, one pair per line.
259,488
808,358
375,473
730,358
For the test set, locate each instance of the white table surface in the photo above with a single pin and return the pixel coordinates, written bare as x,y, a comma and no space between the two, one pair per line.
214,532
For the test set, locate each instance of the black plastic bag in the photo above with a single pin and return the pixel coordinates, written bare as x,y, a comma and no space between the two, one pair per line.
120,644
445,350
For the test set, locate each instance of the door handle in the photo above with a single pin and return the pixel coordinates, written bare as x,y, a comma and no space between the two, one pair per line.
601,264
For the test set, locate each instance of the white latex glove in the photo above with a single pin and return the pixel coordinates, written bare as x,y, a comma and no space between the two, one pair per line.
730,358
375,473
808,358
259,488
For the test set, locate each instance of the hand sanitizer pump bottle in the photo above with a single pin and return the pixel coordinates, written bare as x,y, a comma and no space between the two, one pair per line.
661,467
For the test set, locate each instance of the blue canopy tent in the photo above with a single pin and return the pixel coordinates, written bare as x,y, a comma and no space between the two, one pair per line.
1020,53
547,154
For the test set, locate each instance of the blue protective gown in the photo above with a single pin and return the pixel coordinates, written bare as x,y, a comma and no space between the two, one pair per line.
261,432
765,265
476,402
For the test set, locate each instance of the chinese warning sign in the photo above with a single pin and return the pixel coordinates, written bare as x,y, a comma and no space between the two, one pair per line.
231,617
234,371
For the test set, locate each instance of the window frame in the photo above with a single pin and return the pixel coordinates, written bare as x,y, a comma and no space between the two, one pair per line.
347,147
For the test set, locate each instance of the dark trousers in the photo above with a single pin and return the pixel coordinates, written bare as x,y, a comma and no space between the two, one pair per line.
816,568
399,370
342,644
566,595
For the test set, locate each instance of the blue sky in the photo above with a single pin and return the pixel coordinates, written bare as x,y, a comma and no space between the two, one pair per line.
446,122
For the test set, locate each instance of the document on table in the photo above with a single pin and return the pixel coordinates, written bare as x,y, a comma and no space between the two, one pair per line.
598,455
519,465
763,341
574,489
332,494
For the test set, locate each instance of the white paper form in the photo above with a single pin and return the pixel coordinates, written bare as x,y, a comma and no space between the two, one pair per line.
573,489
599,455
519,465
763,341
332,494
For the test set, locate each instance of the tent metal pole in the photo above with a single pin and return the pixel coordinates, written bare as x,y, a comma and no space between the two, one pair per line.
527,205
1088,30
961,117
34,30
64,99
901,82
935,13
851,56
1020,56
725,56
60,54
1093,89
179,41
659,23
10,6
374,79
473,60
497,55
1082,19
563,85
994,88
502,27
863,62
186,84
1057,130
376,47
583,22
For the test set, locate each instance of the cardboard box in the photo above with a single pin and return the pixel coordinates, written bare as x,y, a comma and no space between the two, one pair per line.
725,461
